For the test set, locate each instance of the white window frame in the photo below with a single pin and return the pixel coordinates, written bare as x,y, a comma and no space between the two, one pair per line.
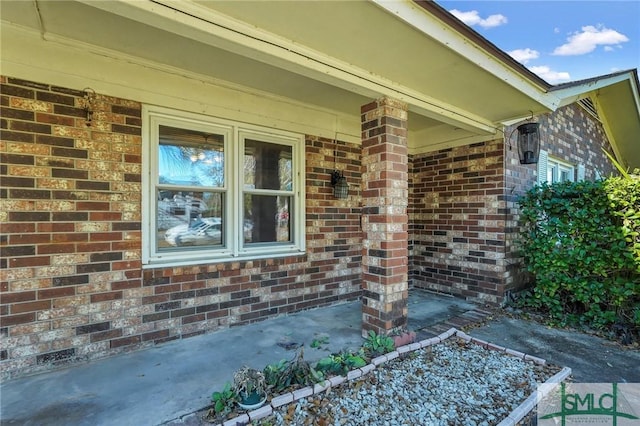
234,133
557,167
551,165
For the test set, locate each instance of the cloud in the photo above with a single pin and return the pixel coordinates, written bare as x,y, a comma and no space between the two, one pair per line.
588,39
524,55
550,76
472,18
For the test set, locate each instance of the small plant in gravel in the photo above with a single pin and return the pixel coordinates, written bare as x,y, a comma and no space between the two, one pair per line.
291,374
319,342
273,374
377,344
223,402
341,363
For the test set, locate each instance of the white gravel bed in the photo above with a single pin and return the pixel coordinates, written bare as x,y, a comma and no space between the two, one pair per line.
451,383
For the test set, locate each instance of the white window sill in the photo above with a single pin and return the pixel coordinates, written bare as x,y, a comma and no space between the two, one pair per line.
194,261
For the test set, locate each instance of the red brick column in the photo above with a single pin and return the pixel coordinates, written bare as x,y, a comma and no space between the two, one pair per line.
384,211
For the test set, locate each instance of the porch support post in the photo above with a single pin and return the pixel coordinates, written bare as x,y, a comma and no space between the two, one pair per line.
384,216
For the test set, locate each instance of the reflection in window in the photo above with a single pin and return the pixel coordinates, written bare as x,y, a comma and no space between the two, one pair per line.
192,158
188,218
184,217
267,219
267,166
219,191
267,181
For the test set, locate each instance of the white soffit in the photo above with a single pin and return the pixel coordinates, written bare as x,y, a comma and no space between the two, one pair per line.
335,55
205,23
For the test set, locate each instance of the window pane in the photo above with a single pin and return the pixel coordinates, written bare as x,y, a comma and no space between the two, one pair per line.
188,157
550,171
187,218
267,166
267,219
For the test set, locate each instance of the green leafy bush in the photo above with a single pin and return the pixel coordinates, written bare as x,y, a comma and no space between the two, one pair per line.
580,240
624,198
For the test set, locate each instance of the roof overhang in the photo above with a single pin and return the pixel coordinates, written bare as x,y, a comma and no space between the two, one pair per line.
617,101
329,54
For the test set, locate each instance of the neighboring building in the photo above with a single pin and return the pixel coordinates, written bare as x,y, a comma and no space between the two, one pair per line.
166,170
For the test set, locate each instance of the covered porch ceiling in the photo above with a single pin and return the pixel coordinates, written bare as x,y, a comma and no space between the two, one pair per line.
334,55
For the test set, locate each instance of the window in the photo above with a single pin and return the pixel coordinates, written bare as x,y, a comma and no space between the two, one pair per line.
216,190
552,170
559,172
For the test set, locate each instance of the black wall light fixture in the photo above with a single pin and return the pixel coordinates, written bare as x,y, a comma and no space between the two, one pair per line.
88,100
528,142
340,185
338,181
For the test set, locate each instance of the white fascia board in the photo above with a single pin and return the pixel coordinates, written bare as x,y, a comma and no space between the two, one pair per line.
635,92
207,26
576,92
413,15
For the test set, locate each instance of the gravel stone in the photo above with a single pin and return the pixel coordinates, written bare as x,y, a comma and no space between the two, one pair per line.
450,383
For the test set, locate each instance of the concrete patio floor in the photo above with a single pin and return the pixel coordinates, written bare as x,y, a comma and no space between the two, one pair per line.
164,384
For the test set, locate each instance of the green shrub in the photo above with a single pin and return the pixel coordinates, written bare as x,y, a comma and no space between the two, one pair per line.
580,241
624,198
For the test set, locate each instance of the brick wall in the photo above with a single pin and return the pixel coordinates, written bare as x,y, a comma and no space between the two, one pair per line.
575,136
456,221
463,210
570,134
72,285
384,219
